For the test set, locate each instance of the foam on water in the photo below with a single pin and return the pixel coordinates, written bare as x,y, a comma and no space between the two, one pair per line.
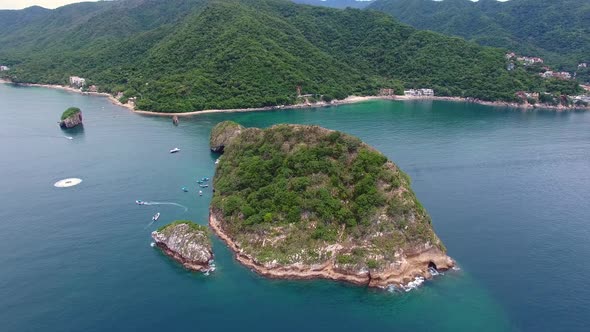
413,284
434,272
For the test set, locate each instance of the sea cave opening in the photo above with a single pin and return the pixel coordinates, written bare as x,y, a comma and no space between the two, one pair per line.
432,265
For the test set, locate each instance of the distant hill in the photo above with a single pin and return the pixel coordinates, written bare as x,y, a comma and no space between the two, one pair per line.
336,3
558,30
11,20
186,55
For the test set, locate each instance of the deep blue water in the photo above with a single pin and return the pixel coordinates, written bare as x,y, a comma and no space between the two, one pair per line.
508,192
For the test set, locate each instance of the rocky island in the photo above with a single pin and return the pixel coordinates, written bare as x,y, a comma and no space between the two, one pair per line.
222,134
304,202
71,118
187,243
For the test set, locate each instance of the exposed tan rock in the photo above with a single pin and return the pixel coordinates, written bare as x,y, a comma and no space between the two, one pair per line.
71,121
222,134
187,243
402,272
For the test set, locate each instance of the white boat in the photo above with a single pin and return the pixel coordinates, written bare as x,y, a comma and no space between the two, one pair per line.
217,161
200,193
174,150
156,216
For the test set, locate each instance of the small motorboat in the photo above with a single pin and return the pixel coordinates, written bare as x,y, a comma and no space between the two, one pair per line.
174,150
200,193
217,161
204,185
205,179
156,216
199,181
184,189
139,202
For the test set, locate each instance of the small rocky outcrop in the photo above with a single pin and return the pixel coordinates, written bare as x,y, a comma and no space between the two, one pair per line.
187,243
71,118
222,134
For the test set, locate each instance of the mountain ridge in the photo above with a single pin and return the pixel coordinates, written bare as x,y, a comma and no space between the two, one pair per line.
187,55
558,31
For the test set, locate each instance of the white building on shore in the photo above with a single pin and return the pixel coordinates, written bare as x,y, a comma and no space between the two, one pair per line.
76,81
4,68
419,93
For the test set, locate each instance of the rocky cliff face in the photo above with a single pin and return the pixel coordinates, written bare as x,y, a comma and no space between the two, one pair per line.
409,266
222,134
306,202
71,121
187,243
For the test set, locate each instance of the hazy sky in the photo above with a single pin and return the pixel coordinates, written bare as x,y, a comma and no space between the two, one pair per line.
18,4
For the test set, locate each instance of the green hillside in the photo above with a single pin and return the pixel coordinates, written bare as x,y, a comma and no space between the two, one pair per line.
336,3
186,55
557,30
303,188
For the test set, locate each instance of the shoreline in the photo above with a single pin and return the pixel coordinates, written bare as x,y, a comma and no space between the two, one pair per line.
410,269
347,101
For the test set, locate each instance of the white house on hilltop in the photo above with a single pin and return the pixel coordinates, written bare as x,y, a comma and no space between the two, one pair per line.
4,68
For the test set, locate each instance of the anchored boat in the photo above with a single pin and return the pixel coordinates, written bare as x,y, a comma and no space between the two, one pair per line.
174,150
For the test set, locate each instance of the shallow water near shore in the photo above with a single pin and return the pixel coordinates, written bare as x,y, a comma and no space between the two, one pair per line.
507,190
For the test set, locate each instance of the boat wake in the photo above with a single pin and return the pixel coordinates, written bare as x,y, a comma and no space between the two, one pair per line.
151,223
52,136
40,135
148,225
166,203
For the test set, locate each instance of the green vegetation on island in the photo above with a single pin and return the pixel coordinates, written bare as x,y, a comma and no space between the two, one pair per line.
192,226
558,31
69,112
190,55
294,194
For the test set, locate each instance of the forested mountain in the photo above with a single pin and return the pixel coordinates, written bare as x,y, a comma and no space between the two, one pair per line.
336,3
184,55
557,30
11,20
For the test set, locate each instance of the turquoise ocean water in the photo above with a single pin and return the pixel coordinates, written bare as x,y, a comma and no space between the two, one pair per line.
508,192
